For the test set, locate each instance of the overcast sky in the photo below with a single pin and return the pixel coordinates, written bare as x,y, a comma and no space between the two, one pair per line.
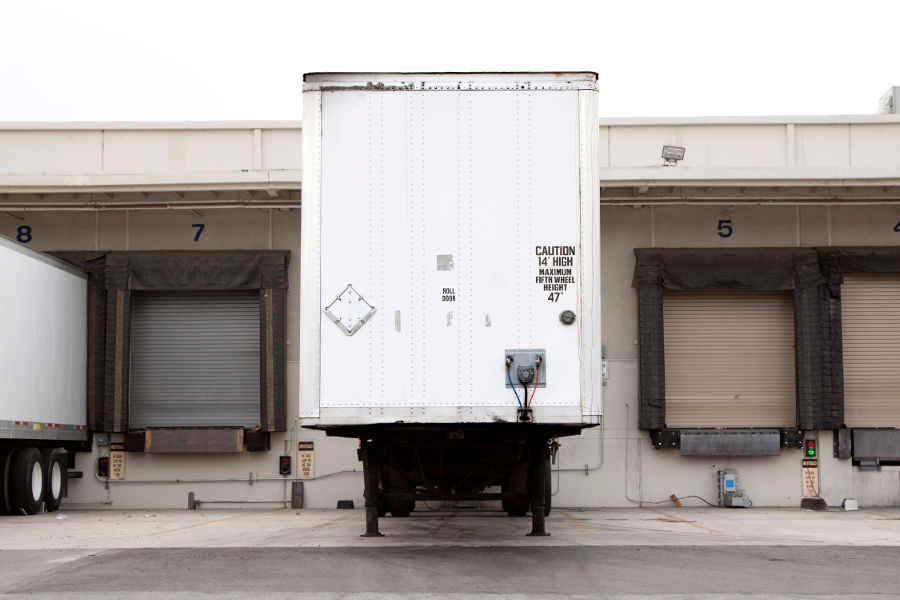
93,60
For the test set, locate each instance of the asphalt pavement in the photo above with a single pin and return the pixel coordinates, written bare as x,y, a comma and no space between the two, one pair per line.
667,553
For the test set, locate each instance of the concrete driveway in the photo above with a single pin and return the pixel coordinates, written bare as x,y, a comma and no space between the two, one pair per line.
610,553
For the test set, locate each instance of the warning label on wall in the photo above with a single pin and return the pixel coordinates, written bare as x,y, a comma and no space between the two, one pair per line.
306,460
117,462
810,477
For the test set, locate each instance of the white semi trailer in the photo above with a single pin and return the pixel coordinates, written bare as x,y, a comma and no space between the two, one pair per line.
450,315
43,371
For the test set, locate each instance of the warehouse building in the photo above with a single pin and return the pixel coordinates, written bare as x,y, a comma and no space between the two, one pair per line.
750,297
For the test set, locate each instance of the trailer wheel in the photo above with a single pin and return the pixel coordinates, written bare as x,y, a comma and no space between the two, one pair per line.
548,488
55,467
27,481
397,483
518,484
6,461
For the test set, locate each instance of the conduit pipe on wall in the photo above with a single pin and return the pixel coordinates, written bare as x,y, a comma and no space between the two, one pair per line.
607,202
250,480
586,469
122,207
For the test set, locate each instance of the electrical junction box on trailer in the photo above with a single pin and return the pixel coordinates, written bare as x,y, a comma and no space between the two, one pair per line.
448,218
533,362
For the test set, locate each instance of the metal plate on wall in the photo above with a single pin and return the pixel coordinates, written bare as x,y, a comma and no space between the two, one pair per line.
731,443
883,444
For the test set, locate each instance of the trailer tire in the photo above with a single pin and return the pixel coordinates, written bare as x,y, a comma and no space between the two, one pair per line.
55,473
27,482
6,460
518,484
397,483
548,488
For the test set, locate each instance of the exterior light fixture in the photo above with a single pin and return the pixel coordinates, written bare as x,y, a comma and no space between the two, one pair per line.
672,154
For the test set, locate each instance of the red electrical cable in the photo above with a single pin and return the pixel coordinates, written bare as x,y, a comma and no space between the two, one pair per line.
537,379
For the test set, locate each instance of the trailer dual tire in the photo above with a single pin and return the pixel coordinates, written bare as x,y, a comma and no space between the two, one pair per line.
6,460
397,482
55,464
548,488
517,483
27,481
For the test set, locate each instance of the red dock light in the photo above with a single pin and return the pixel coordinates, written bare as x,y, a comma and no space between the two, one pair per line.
284,465
810,448
103,466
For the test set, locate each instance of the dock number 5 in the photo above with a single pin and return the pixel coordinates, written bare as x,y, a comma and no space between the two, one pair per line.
725,229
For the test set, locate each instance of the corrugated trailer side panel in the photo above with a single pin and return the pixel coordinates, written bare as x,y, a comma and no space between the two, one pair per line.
458,215
43,358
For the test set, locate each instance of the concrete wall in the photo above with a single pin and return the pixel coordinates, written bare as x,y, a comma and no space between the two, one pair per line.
623,469
250,229
147,148
612,465
652,475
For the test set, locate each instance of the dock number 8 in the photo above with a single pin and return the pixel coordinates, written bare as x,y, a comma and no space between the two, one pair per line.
24,234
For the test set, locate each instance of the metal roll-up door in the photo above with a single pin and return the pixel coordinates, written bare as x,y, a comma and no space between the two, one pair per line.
194,359
729,359
870,312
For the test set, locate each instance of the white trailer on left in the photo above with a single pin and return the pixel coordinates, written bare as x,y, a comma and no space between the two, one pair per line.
43,376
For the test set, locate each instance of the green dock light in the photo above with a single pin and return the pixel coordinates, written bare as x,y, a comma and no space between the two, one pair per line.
810,448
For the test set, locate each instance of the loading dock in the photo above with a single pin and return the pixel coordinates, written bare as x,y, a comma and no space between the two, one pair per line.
822,187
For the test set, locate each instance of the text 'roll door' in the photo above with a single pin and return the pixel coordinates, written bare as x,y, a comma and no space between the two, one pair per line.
195,359
729,359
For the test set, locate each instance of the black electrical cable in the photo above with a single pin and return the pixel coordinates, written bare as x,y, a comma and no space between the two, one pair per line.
672,501
699,498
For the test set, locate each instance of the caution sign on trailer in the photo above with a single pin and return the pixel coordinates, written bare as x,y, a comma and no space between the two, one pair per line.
555,270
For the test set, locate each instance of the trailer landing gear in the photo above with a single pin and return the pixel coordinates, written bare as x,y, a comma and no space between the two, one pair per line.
370,471
540,463
453,463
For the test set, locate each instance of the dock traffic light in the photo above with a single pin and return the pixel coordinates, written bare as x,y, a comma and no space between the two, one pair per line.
810,448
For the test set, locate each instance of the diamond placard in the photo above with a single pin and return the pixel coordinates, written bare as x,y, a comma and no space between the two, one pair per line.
349,310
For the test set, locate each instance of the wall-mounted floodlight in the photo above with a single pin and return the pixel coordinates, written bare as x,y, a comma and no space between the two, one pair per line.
672,154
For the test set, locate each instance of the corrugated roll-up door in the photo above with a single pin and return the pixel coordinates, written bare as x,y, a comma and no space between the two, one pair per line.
194,359
729,359
870,311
